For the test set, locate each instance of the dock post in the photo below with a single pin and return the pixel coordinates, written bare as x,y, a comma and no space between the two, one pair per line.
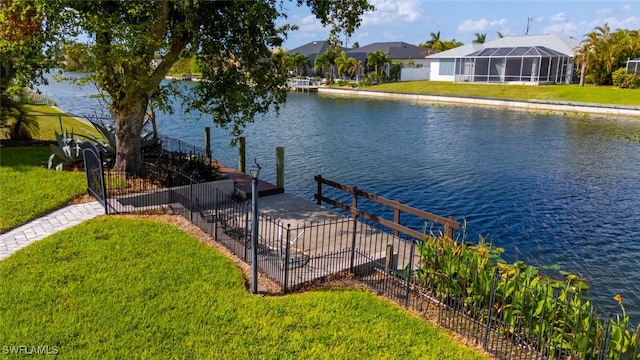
207,141
242,151
280,167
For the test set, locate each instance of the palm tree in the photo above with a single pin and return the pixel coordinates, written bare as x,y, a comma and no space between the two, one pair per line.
480,38
355,66
377,58
435,41
322,63
299,61
343,62
501,34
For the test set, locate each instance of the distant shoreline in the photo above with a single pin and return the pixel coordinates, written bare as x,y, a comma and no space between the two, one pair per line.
561,107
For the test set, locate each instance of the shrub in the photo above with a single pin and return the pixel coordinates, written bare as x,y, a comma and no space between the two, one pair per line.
527,306
66,150
18,124
625,81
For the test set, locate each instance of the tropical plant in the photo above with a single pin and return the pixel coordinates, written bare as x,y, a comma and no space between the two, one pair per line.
377,58
67,151
523,304
355,67
603,51
395,69
344,63
480,38
298,63
438,44
623,80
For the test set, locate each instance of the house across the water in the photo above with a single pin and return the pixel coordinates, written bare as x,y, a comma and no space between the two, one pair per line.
534,59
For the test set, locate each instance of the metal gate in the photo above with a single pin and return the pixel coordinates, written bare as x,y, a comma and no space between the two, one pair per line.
95,174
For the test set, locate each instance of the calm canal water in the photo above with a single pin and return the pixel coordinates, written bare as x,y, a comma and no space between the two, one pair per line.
549,189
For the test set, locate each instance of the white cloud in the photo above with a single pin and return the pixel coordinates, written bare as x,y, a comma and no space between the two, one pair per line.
626,7
604,12
559,17
470,26
565,29
502,23
393,12
309,28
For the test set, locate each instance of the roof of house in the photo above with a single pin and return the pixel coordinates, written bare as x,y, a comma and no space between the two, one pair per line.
396,50
520,51
564,45
635,60
311,49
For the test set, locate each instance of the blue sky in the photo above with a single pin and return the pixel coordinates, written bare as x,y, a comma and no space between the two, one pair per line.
412,21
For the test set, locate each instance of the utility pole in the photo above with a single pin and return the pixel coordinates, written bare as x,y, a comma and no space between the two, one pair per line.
526,30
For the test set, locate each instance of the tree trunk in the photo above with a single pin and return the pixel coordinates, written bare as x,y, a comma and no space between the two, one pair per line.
128,129
582,71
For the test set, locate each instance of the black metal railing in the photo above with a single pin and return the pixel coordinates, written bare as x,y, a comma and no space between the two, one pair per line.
508,316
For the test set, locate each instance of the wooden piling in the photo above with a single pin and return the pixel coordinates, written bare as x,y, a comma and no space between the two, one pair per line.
280,167
242,155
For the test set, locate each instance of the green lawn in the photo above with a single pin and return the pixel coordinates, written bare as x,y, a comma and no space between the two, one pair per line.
124,288
574,93
51,120
28,190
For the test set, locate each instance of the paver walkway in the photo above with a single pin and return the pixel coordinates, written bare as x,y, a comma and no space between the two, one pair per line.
49,224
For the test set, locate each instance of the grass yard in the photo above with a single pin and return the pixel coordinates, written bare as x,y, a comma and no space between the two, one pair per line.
51,120
124,288
28,190
574,93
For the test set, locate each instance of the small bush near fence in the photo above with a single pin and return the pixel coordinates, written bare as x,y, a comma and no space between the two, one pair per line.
625,81
545,316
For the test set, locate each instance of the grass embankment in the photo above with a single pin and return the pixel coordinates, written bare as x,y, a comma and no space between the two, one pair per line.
574,93
125,288
51,121
29,190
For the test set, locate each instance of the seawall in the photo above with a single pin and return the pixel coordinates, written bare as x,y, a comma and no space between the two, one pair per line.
526,105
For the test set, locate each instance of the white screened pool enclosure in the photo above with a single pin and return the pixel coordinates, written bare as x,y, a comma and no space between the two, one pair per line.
525,64
633,66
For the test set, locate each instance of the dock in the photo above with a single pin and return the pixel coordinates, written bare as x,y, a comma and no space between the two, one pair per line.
303,85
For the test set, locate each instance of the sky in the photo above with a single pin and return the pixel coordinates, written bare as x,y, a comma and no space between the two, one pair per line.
413,21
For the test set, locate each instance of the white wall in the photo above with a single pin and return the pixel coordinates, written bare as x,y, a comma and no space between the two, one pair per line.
435,70
413,74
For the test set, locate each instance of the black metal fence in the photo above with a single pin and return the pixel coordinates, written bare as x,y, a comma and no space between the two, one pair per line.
509,315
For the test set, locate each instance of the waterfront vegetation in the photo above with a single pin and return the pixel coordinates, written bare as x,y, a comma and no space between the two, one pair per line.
574,93
119,288
29,189
551,315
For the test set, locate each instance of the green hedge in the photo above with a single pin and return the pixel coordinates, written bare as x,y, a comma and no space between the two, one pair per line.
625,81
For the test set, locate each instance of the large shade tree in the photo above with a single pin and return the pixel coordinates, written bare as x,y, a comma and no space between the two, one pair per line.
231,40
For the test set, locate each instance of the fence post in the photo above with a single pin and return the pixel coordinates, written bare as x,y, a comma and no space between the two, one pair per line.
246,234
448,230
280,167
410,275
242,154
207,141
396,219
492,299
286,258
318,179
388,261
191,200
354,216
